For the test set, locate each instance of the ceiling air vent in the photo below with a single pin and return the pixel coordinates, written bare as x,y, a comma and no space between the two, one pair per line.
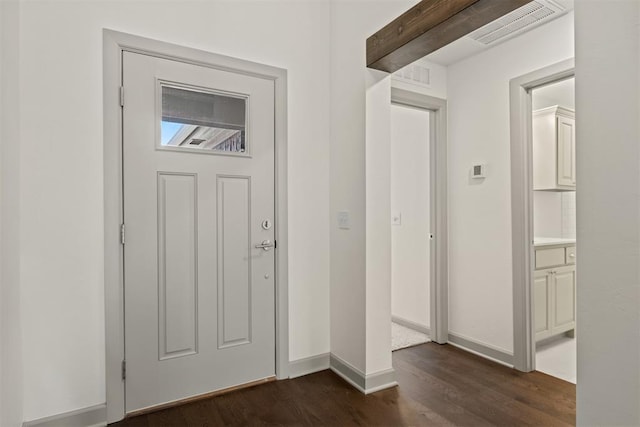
414,73
519,21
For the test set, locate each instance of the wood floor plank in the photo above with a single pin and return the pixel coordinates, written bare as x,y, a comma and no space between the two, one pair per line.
439,385
487,402
536,389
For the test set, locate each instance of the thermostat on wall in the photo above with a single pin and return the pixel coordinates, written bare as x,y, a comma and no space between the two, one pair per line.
478,171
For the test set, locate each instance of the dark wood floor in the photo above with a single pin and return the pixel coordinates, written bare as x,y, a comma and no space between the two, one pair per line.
439,385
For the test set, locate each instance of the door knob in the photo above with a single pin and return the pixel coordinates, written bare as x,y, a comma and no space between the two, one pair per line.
266,245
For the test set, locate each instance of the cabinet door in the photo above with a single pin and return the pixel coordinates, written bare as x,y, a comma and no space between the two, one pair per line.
564,300
566,151
542,298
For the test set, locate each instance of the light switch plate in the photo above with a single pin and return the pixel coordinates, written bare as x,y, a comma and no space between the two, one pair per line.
396,218
344,221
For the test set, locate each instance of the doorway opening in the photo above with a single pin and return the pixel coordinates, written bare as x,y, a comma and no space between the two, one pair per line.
542,170
410,226
554,228
419,273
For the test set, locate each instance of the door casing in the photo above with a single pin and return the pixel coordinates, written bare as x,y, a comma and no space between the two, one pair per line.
114,44
524,347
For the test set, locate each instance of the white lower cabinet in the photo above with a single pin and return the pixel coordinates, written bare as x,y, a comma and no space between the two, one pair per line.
541,285
564,300
554,299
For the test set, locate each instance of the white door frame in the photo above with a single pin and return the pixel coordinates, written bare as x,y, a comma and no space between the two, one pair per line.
439,286
524,348
114,44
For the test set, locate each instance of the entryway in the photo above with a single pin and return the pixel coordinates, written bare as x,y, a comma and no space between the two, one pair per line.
196,297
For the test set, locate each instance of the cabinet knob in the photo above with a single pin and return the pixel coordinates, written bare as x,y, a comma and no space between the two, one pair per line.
572,255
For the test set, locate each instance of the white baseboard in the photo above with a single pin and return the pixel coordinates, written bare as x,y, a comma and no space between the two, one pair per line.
309,365
366,384
380,381
411,325
481,349
95,416
92,416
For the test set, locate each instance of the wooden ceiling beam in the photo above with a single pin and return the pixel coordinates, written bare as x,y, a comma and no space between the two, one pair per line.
430,25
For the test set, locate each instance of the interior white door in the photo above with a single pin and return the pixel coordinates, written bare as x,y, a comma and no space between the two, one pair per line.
198,172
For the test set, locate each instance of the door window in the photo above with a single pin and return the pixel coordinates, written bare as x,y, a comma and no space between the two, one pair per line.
203,120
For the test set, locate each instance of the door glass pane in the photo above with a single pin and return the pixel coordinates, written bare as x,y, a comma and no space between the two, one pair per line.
207,121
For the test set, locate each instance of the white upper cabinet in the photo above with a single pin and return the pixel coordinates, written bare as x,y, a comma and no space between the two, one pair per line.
554,149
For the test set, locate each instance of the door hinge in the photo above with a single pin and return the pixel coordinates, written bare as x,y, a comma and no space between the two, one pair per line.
122,96
122,233
275,244
124,370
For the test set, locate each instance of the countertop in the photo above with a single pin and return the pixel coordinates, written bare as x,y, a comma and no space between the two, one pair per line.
550,241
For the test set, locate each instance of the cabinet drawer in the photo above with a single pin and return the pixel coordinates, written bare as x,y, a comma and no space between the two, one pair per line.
549,257
571,255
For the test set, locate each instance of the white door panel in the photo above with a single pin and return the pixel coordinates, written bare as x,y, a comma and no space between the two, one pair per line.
199,297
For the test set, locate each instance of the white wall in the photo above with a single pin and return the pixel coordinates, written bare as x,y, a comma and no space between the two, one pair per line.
410,197
358,334
61,171
347,247
480,286
378,248
10,329
608,74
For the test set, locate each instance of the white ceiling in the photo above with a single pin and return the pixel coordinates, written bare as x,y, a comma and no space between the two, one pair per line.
562,93
465,46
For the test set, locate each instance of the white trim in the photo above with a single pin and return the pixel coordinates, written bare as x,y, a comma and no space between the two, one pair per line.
114,44
349,373
309,365
482,349
524,349
439,305
380,381
91,416
366,384
411,325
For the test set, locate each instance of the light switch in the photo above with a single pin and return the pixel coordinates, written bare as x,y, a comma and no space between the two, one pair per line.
396,218
344,221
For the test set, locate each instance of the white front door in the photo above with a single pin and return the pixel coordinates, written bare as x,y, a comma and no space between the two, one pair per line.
198,160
